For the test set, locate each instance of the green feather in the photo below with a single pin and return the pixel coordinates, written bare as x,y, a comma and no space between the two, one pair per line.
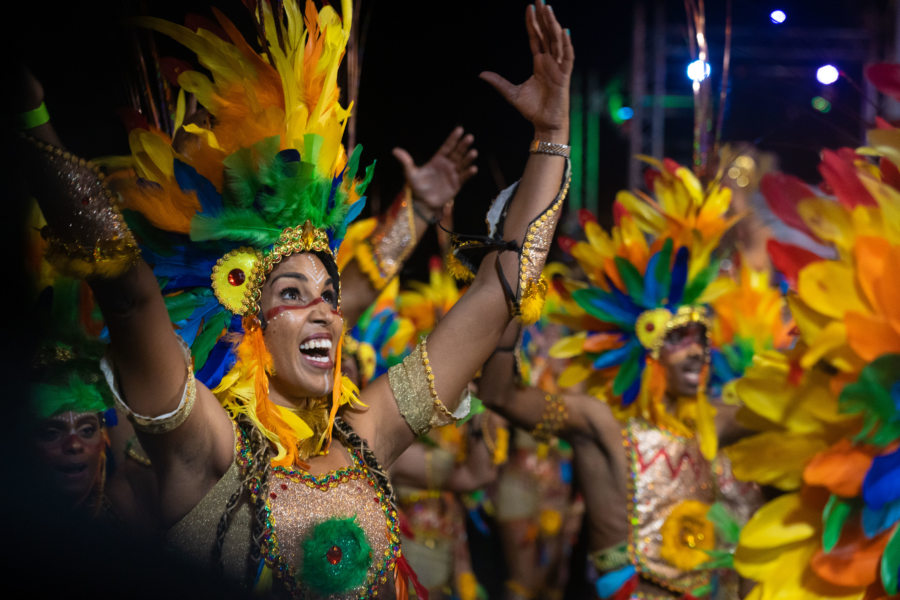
698,284
628,371
836,513
634,283
728,530
207,338
318,573
890,563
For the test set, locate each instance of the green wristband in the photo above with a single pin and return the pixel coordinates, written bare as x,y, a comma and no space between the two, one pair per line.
32,118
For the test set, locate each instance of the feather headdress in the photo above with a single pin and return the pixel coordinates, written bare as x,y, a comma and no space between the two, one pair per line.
381,337
639,289
826,411
258,174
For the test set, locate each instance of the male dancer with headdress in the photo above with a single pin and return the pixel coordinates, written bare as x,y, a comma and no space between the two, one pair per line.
645,457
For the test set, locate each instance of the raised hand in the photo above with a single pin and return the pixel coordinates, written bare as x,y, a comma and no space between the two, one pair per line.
437,182
544,98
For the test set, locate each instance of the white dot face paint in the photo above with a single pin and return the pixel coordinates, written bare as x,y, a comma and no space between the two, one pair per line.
317,272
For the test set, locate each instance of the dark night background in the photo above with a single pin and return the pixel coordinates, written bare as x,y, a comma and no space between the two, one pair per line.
419,80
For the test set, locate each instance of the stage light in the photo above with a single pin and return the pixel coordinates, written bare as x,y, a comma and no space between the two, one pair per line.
625,113
821,104
827,74
698,70
777,17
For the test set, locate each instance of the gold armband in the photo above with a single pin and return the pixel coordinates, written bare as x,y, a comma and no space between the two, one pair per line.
382,256
163,423
95,242
412,382
552,420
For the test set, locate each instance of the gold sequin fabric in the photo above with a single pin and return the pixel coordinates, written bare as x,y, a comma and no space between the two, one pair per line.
410,385
298,501
665,470
539,236
96,233
393,240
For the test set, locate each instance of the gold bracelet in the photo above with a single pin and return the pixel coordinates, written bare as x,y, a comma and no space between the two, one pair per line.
429,375
552,420
161,423
540,147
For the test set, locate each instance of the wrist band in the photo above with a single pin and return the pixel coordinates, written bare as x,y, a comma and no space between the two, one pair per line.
430,220
32,118
539,147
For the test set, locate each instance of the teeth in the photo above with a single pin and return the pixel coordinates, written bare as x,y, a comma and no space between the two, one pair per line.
316,343
314,358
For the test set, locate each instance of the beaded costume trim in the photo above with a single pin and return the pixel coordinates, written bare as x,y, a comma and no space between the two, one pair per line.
270,548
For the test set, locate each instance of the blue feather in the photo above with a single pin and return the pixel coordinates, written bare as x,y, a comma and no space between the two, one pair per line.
625,301
189,179
679,277
188,328
632,392
651,285
876,521
354,211
882,483
220,360
615,356
605,307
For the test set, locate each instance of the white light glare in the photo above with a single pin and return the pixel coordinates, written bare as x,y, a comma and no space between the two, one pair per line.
777,17
827,74
698,70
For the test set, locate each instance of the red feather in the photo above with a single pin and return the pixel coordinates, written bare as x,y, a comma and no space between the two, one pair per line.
566,243
585,216
840,174
885,77
789,259
402,575
783,193
889,173
619,211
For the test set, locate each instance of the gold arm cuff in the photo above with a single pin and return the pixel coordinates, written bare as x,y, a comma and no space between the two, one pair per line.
96,242
553,418
383,255
163,423
610,558
412,382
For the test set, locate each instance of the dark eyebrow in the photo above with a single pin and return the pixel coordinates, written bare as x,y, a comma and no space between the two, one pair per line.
292,274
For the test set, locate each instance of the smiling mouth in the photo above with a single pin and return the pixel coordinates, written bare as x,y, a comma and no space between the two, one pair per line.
72,470
317,351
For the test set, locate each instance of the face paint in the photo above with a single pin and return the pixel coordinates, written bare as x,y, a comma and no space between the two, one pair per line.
70,446
317,272
278,310
303,327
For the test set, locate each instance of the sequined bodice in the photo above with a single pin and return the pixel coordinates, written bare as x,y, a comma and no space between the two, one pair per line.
337,534
665,470
313,527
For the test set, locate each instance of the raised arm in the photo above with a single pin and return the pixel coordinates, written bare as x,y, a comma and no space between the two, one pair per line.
464,339
572,416
150,366
430,190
